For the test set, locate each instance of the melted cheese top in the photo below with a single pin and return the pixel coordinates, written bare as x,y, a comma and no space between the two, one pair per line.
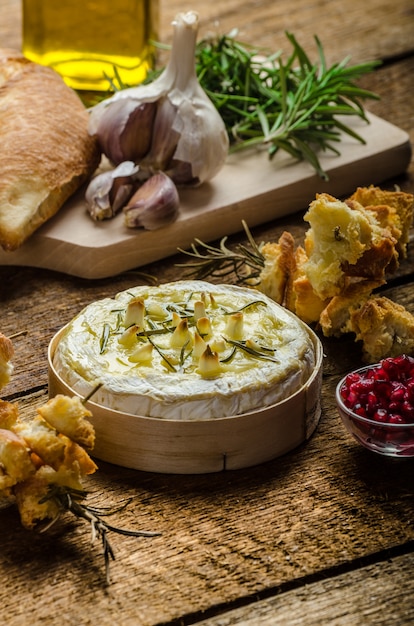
185,350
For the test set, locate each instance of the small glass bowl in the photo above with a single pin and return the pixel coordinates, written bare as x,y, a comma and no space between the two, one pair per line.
395,440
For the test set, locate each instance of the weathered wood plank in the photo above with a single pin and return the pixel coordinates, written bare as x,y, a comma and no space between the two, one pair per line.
379,594
224,536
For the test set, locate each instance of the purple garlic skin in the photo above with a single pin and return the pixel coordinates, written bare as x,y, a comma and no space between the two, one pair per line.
125,130
154,205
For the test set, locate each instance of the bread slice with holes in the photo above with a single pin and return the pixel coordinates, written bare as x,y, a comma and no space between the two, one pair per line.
46,152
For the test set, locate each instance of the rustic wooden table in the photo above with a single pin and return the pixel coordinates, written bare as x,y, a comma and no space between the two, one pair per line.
323,535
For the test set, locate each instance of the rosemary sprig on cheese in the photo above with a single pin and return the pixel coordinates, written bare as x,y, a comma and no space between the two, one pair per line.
190,334
253,349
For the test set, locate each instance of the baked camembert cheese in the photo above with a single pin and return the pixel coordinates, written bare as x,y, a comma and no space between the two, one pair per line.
187,350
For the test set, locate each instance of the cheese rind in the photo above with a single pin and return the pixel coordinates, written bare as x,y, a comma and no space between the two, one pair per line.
262,353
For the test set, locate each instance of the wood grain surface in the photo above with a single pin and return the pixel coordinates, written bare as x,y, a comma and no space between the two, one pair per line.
322,535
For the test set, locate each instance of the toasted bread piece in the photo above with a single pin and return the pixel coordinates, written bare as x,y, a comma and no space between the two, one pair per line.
15,462
52,447
69,417
6,354
393,210
279,263
9,414
300,297
385,328
335,319
32,498
46,151
344,239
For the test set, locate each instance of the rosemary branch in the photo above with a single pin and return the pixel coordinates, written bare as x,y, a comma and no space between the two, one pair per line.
245,261
291,105
70,500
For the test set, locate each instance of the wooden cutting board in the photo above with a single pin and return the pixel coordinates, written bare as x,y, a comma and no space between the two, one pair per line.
250,187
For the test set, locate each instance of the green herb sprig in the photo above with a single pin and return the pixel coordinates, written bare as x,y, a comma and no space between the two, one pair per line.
290,105
71,500
261,352
246,262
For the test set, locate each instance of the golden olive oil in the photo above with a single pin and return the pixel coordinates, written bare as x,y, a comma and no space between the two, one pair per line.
90,42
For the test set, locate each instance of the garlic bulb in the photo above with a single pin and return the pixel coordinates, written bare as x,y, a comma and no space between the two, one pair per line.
169,124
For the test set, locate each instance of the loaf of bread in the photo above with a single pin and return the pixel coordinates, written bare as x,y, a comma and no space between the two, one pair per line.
46,151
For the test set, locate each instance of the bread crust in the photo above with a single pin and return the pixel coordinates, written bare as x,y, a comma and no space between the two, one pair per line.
279,262
6,354
393,210
385,327
46,150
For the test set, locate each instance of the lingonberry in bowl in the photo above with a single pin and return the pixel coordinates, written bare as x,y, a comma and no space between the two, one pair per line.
376,404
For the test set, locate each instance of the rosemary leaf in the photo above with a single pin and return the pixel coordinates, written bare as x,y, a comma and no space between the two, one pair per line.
258,354
104,338
246,306
162,355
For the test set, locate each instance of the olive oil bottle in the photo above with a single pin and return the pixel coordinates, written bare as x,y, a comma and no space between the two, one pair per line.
91,42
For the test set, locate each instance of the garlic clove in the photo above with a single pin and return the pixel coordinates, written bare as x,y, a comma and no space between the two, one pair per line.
176,319
182,174
154,205
129,336
199,346
142,354
165,136
181,335
124,132
108,192
199,309
234,326
204,327
218,344
209,365
203,146
135,313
